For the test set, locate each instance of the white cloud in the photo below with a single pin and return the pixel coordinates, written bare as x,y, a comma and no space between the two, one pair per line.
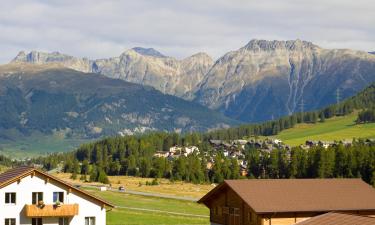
179,28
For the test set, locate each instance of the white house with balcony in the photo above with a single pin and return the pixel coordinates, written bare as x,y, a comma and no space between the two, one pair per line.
29,196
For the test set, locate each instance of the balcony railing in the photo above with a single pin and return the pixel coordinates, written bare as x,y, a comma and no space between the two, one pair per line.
64,210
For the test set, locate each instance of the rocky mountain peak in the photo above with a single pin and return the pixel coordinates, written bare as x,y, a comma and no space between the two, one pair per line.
201,55
21,57
291,45
201,61
41,57
148,52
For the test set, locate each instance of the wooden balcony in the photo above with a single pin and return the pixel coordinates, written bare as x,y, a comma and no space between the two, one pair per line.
64,210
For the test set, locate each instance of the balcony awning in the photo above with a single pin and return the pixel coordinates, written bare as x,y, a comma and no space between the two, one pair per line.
64,210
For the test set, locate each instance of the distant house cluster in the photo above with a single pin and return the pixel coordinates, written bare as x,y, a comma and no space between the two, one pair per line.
177,151
235,149
232,148
326,144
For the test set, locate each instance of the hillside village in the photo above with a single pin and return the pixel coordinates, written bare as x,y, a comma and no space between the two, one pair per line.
236,149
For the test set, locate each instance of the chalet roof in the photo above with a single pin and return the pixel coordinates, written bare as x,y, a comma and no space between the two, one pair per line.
334,218
12,175
300,195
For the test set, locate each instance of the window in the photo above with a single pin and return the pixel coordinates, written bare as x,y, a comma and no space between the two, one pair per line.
63,221
10,198
89,220
58,196
37,196
11,221
249,219
36,221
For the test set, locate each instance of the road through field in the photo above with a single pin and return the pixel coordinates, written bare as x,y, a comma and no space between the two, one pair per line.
150,194
162,211
161,195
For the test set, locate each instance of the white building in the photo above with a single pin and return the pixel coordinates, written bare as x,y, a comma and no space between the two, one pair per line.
190,150
175,150
29,196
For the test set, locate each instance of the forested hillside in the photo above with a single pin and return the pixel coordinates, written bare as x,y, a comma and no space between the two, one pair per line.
363,100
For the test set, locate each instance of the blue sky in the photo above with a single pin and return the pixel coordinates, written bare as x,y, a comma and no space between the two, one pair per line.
179,28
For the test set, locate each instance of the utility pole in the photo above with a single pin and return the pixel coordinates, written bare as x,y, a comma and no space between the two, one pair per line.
302,105
338,98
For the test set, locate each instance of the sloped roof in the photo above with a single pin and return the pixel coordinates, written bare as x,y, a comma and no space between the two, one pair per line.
334,218
12,175
301,195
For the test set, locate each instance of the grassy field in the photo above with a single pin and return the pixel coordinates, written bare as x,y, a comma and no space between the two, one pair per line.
136,209
179,189
338,128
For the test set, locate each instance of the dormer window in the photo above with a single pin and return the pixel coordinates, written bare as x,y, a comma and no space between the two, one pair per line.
10,198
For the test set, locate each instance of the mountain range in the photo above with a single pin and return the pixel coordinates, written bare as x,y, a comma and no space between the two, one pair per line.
50,98
258,82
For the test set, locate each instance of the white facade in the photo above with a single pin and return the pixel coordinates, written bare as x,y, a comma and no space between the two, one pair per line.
191,149
88,206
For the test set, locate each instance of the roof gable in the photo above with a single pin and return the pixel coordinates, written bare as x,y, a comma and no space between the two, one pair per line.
301,195
18,173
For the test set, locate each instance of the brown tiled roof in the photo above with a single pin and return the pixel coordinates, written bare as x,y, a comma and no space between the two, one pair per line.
334,218
301,195
15,174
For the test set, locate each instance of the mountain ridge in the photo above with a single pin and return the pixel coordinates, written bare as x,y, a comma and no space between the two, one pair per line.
259,81
92,105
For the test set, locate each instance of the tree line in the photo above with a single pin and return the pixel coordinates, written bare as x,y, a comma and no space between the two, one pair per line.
133,156
366,116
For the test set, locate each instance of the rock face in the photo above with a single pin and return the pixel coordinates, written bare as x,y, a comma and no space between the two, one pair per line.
137,65
260,81
34,57
270,79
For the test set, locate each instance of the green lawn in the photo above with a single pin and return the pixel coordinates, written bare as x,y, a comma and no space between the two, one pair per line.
338,128
134,216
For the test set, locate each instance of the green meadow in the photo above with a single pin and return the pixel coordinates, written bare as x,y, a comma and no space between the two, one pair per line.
137,209
337,128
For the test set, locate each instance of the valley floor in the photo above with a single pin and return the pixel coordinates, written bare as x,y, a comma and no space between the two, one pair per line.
177,189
